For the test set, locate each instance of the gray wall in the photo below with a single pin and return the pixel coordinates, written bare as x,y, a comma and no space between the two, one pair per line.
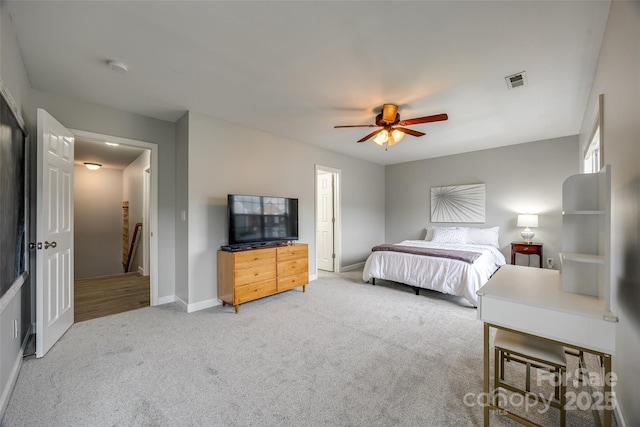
97,219
91,117
519,179
617,78
182,205
226,158
133,192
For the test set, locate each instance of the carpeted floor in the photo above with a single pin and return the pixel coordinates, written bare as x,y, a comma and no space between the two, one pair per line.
344,353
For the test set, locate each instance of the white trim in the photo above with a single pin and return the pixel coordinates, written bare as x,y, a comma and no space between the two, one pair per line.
352,267
313,277
203,305
13,377
153,211
4,91
180,302
596,121
618,412
6,299
166,300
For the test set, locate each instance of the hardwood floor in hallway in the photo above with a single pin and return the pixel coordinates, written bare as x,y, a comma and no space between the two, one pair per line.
101,296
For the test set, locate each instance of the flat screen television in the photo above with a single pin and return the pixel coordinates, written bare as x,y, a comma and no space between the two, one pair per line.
261,220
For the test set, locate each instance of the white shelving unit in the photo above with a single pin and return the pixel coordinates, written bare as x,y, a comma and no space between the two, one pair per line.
586,234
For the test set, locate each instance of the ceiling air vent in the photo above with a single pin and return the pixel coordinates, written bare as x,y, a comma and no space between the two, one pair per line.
516,80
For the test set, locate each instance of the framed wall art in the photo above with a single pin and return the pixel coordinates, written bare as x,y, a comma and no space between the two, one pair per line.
458,203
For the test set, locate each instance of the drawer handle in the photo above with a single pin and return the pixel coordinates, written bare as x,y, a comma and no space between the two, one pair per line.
525,249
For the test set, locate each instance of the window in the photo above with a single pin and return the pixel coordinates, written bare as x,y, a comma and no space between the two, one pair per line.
592,153
593,160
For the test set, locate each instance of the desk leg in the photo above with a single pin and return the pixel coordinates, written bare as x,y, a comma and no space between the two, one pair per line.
486,375
608,404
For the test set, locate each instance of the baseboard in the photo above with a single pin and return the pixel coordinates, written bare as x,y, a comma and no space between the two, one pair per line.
181,303
27,337
618,413
167,300
313,277
352,267
189,308
13,376
203,305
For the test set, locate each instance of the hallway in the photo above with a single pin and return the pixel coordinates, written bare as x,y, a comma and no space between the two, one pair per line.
101,296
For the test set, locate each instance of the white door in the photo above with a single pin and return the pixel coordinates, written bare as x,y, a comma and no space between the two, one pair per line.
54,232
326,220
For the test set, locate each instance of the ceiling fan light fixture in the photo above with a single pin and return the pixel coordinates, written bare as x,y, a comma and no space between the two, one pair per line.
397,135
387,120
381,137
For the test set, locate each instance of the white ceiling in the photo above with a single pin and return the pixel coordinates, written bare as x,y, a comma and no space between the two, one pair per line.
297,68
109,156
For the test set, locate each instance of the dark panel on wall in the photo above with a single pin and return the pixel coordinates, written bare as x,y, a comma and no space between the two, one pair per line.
12,198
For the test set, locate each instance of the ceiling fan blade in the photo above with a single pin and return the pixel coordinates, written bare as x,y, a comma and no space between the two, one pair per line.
356,126
410,131
372,134
427,119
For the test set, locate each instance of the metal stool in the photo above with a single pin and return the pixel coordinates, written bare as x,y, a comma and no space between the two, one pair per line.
531,352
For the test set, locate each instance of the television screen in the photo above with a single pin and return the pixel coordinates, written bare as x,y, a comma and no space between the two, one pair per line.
261,219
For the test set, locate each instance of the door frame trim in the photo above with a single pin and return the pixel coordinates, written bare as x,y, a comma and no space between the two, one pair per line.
153,205
337,234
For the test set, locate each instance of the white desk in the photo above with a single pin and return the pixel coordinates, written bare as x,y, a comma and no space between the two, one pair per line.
531,301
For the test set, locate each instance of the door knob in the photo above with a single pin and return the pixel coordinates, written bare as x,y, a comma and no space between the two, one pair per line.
47,244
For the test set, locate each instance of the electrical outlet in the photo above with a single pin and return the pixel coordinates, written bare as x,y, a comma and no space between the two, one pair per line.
549,262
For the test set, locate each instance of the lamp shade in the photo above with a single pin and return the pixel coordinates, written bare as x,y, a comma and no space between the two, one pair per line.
527,220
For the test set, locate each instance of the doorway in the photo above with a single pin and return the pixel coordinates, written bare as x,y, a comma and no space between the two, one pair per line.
130,270
327,218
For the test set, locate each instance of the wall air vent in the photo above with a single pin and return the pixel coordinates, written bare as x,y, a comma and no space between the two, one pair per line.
516,80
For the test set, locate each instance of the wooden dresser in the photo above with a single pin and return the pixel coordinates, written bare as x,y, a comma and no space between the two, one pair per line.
249,275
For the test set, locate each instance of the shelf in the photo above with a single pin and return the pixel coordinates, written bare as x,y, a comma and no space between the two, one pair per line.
587,258
586,234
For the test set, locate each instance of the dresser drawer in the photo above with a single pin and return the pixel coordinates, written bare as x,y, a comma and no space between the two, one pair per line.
292,281
295,266
525,248
254,273
294,252
255,290
255,257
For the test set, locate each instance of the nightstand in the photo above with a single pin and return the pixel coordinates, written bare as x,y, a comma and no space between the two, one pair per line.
526,249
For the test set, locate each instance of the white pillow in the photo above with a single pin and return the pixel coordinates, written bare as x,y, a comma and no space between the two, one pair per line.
484,236
449,235
429,235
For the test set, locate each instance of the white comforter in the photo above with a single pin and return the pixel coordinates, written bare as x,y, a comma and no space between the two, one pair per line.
444,275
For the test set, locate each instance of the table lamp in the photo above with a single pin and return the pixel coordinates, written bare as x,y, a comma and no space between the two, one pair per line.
527,221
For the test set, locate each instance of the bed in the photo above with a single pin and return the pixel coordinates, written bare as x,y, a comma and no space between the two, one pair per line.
452,260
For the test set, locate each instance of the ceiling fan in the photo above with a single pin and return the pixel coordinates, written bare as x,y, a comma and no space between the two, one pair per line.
392,127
